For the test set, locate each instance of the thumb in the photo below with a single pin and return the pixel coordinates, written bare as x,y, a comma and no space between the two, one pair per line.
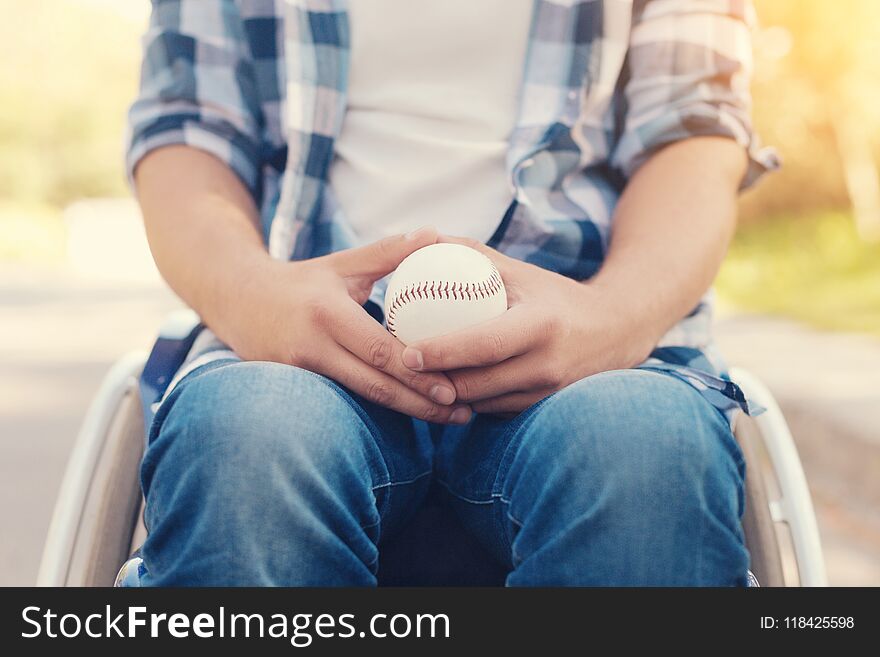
382,257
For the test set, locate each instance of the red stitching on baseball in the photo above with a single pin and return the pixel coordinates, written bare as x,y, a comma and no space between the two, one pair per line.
471,291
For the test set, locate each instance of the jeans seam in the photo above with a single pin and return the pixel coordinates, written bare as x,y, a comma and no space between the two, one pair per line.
510,516
510,436
372,524
372,562
515,558
446,485
402,483
494,497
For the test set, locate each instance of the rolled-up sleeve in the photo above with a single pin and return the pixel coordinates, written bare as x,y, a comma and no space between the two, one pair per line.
688,72
198,87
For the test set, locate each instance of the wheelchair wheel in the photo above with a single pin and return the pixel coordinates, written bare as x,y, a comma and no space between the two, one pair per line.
779,509
97,509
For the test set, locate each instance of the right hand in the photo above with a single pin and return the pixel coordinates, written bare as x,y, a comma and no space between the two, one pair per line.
309,313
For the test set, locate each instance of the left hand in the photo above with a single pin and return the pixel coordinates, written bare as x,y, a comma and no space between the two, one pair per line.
556,331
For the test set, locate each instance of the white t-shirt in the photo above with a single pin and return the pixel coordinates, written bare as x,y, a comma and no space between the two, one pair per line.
432,97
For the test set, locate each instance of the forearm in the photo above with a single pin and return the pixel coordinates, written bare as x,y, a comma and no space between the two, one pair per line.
670,233
203,230
202,226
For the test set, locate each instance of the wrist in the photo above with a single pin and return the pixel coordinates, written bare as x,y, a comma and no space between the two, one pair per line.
629,326
246,305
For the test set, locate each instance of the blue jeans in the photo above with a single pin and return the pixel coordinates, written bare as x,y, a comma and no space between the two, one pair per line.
265,474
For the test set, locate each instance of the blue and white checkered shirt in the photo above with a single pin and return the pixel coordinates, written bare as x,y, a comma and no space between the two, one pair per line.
261,84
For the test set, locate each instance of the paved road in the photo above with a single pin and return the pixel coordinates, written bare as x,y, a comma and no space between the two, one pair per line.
58,335
57,339
829,389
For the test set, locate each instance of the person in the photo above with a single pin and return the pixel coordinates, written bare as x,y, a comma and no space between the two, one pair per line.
287,156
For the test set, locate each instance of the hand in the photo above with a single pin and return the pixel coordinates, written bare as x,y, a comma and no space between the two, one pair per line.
309,313
555,332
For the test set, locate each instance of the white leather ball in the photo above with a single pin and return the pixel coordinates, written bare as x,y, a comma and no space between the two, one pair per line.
440,289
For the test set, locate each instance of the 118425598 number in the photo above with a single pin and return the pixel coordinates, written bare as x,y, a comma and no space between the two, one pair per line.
818,622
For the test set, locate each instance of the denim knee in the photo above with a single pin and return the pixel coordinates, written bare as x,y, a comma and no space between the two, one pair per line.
260,473
634,437
626,477
244,426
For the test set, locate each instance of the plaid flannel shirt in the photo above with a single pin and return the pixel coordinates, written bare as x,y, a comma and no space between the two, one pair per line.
261,84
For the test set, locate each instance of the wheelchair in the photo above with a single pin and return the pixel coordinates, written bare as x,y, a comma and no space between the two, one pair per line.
97,521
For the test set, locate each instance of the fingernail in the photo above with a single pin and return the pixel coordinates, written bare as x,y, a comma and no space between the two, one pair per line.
412,358
460,415
414,235
442,394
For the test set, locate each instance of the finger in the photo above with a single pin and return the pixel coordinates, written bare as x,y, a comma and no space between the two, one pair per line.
384,390
510,334
517,374
513,403
382,257
364,337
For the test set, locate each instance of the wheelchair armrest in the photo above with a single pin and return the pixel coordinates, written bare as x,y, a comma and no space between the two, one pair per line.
176,337
179,324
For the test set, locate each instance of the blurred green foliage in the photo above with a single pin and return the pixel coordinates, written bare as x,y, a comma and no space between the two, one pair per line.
68,70
814,268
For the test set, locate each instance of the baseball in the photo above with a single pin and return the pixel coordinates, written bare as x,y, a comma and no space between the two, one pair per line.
440,289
